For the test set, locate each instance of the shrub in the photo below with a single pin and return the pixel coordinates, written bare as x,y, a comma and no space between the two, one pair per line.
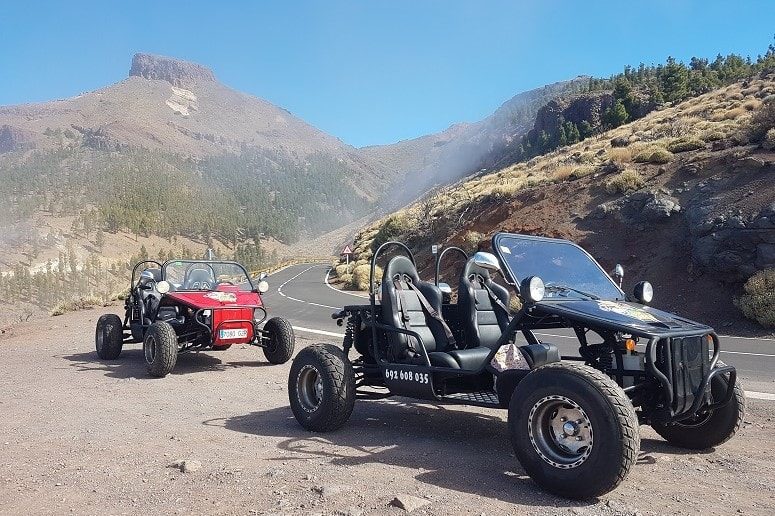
769,140
562,173
347,280
393,227
624,182
360,277
758,302
762,120
74,305
580,172
712,136
621,154
685,144
653,154
471,241
343,269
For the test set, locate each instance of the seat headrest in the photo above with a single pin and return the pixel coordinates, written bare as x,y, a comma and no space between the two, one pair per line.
400,265
471,268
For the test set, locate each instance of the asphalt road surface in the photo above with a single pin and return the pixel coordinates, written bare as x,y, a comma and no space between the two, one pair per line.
301,294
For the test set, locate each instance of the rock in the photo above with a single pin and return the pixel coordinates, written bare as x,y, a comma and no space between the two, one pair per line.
186,466
765,256
691,169
329,491
409,503
620,141
660,208
610,167
602,210
174,71
750,162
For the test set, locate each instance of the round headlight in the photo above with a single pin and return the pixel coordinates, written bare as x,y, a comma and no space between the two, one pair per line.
162,287
533,289
644,292
263,286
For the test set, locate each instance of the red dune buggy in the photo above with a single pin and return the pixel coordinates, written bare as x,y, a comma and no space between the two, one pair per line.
192,305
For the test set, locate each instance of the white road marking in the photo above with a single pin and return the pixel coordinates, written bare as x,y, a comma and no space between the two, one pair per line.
325,280
760,395
319,332
324,306
745,338
746,353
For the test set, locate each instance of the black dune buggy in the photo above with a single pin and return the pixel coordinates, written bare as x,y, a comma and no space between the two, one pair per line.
192,305
573,420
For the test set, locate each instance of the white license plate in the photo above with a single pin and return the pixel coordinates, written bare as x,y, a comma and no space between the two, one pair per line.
241,333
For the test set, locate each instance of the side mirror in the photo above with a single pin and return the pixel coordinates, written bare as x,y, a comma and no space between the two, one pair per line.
446,292
619,273
487,261
644,292
263,276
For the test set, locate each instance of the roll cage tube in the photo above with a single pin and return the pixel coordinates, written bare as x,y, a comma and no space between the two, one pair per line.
208,263
441,255
372,293
137,265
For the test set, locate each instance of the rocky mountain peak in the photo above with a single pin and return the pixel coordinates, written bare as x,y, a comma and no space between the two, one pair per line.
175,71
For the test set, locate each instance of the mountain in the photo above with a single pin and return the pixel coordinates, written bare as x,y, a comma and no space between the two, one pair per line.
177,107
444,157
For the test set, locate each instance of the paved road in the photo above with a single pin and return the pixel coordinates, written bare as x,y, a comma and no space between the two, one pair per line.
300,294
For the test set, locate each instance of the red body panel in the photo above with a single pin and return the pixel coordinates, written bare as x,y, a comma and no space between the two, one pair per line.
232,319
231,310
217,299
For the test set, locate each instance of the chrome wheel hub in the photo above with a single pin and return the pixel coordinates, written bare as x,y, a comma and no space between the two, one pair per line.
309,387
560,431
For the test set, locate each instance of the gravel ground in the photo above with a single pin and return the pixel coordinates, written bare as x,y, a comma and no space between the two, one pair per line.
82,436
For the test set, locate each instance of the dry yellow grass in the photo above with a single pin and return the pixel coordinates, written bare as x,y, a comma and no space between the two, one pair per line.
621,154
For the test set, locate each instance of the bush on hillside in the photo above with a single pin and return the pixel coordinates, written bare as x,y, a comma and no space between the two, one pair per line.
769,140
654,154
471,241
360,277
393,228
685,144
762,121
624,182
75,305
758,302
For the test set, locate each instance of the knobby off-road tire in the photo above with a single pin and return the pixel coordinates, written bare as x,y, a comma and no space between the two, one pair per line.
109,337
281,340
321,388
712,429
573,429
160,348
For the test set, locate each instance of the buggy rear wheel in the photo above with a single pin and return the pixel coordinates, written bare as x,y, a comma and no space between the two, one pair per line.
712,428
573,429
281,340
160,348
109,337
321,388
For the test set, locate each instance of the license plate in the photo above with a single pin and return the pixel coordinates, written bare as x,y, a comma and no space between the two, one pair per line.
240,333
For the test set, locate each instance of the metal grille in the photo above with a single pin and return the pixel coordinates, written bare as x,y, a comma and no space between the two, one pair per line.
479,397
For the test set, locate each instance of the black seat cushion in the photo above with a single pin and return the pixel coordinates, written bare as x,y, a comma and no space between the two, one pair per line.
482,319
430,330
537,355
471,358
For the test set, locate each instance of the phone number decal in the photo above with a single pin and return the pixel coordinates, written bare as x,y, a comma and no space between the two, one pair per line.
407,376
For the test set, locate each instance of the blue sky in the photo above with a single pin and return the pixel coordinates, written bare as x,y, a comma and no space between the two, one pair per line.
367,71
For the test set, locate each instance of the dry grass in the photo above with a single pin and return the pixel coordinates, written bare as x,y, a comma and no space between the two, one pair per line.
654,154
621,154
562,173
75,305
624,182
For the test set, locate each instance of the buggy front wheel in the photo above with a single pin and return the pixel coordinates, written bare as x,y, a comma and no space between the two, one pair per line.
281,340
109,338
160,348
573,429
321,388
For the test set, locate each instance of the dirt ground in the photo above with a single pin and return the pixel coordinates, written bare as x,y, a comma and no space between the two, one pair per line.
82,436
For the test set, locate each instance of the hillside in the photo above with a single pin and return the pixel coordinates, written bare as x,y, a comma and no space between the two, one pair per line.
681,197
441,158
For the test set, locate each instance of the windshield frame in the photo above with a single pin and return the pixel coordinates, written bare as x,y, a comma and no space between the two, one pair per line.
498,237
210,263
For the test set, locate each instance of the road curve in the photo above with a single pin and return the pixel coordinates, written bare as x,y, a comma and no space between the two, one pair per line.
301,294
